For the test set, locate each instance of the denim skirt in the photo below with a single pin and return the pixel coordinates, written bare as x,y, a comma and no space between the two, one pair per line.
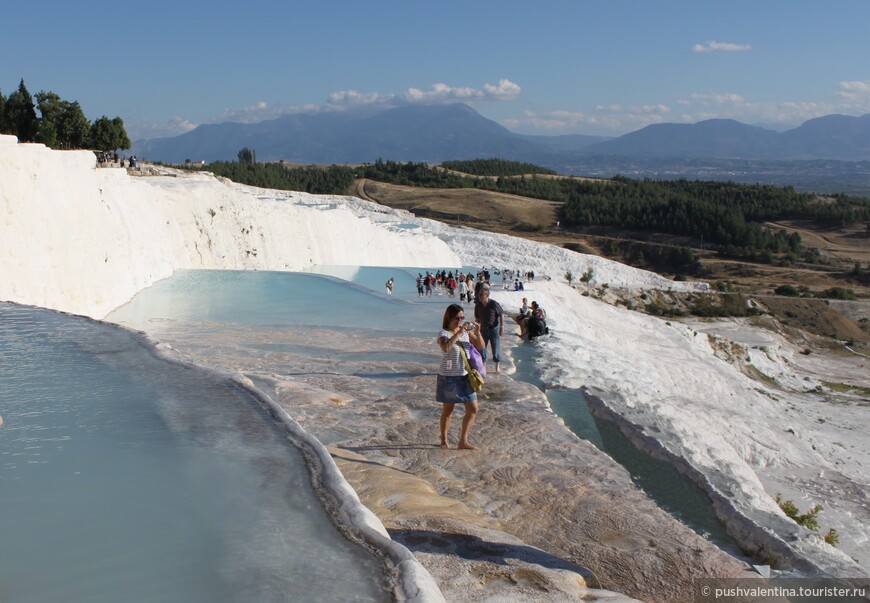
454,390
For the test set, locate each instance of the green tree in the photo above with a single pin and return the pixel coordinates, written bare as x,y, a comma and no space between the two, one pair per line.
47,133
50,105
51,108
3,129
109,135
122,140
247,155
20,114
73,128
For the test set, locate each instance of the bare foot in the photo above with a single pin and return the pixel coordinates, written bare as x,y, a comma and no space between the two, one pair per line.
467,446
444,445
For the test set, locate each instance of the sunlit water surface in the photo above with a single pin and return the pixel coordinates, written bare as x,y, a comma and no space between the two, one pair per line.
124,477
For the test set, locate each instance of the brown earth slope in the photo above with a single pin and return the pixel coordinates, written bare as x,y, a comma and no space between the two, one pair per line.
839,248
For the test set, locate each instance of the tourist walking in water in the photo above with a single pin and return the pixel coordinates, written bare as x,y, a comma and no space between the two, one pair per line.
452,386
463,290
488,313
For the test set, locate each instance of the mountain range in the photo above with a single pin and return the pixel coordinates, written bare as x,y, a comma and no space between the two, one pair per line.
435,133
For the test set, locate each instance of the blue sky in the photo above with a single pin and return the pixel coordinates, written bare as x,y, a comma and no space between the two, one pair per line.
546,67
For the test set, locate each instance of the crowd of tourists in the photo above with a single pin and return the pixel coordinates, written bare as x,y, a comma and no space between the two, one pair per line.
463,284
108,159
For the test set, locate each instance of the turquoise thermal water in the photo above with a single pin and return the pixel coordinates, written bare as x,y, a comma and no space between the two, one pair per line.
124,477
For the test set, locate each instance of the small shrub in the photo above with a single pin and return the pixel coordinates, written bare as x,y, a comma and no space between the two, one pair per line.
526,227
787,290
832,537
809,519
656,308
788,507
837,293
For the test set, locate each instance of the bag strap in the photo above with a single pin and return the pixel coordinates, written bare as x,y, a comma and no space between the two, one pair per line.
464,358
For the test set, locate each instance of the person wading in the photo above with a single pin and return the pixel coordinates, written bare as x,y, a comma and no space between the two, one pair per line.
452,386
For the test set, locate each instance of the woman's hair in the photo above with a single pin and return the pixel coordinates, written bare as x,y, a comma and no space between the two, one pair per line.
450,313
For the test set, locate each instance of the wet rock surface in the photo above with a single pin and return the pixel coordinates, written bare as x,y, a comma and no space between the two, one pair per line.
535,514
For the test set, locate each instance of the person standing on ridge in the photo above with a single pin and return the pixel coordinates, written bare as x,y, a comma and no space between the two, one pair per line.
452,385
488,313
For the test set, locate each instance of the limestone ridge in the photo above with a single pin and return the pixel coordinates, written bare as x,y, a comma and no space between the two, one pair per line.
105,235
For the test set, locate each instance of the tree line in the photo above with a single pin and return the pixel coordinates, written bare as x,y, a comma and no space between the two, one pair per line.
725,216
333,180
495,167
61,124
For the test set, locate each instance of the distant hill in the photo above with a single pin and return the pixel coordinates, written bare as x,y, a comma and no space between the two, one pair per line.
827,147
718,138
831,137
565,142
411,133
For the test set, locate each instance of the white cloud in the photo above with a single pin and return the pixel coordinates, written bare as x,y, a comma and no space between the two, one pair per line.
441,93
855,92
139,130
714,46
650,109
716,99
610,119
350,98
613,108
437,93
504,90
259,111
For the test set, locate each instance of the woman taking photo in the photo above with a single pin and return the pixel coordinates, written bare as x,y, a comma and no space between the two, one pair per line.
453,386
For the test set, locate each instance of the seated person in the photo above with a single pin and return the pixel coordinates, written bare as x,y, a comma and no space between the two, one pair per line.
536,323
524,309
524,313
